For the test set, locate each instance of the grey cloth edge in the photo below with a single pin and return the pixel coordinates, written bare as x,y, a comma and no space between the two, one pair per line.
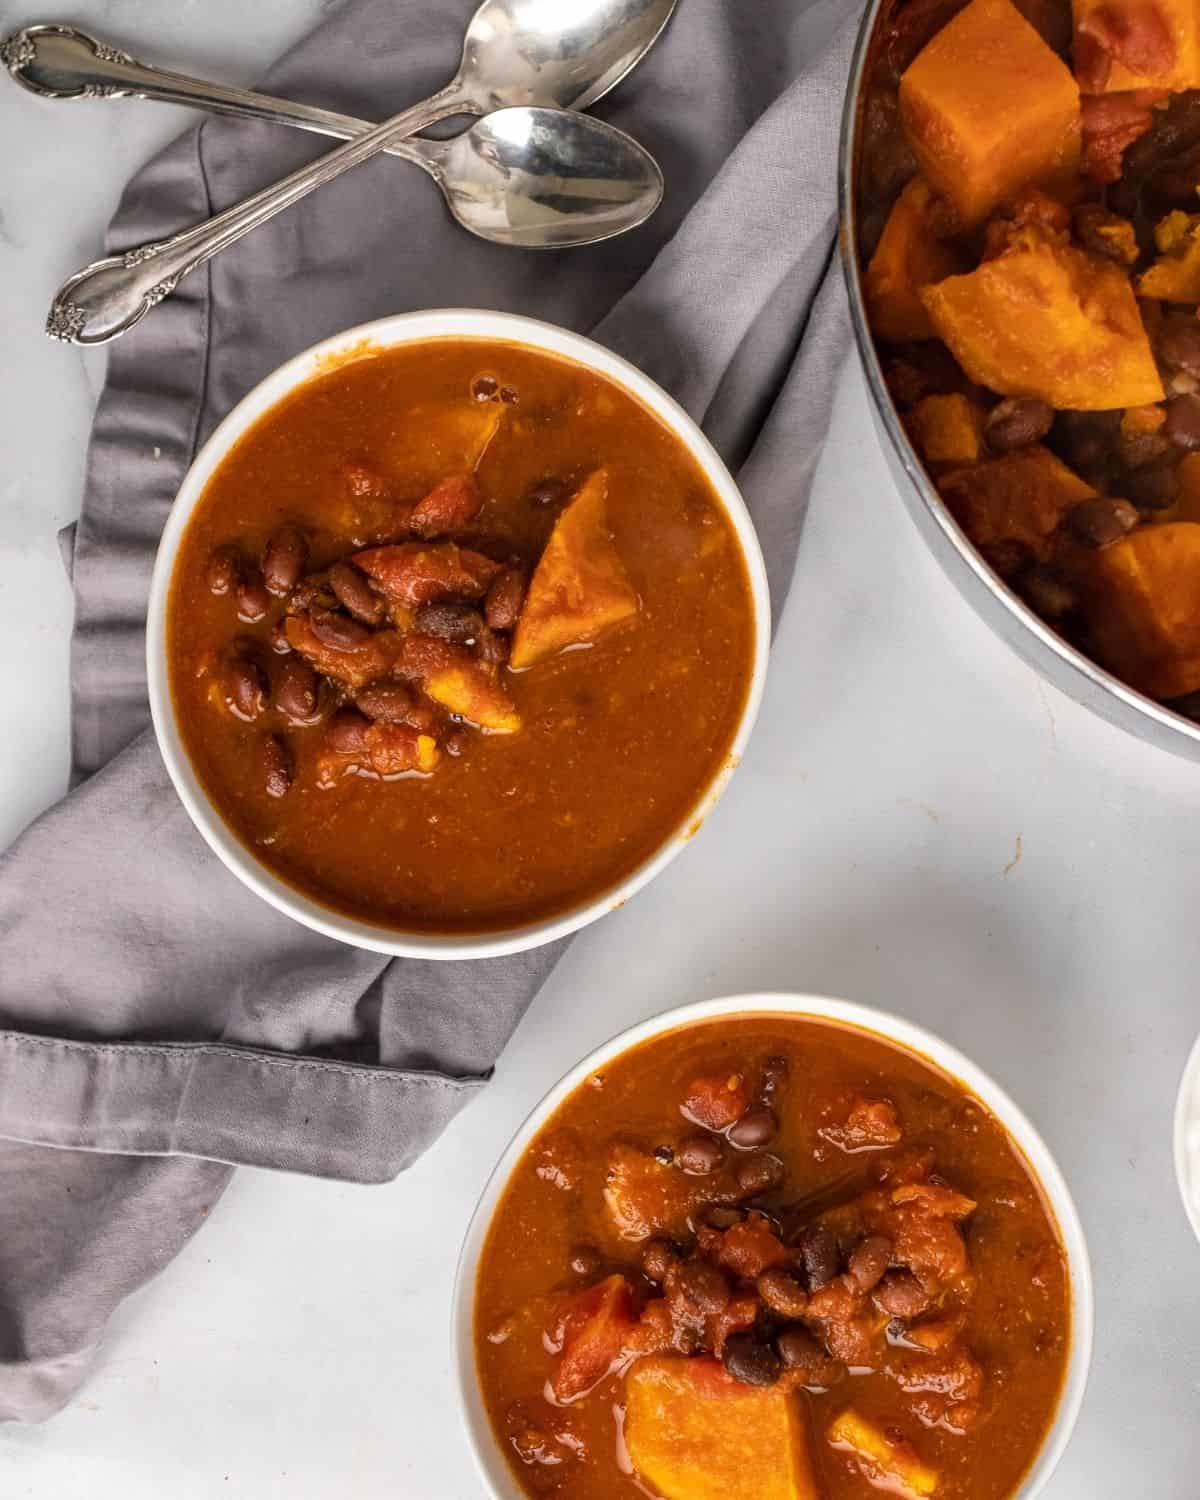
184,1099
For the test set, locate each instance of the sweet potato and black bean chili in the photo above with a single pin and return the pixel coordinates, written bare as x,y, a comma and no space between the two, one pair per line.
458,635
1030,191
771,1259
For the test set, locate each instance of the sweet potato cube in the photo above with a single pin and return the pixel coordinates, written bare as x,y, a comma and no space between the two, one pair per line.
436,438
912,252
580,588
1046,319
1175,275
1019,498
887,1461
1147,43
989,108
946,429
695,1433
1143,607
468,691
596,1331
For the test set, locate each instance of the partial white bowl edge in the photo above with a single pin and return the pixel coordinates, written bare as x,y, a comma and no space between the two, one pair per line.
493,1468
386,333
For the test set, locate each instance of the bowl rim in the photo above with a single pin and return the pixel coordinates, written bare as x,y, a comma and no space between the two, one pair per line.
379,335
489,1461
1187,1100
1068,669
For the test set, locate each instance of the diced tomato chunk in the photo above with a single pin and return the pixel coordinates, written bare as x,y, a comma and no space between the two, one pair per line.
717,1101
597,1331
414,573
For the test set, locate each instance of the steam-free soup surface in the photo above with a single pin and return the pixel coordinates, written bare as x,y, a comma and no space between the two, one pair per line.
458,635
765,1258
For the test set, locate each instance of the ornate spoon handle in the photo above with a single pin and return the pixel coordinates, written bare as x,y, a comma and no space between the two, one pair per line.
107,298
62,62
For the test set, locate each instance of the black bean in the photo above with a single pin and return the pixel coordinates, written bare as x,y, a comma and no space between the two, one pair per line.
355,594
504,599
283,560
699,1155
222,573
1017,422
869,1260
1085,439
782,1293
818,1255
1048,592
901,1295
278,765
1155,487
548,492
757,1127
1178,342
339,632
1136,449
760,1173
1101,521
386,702
798,1350
449,620
253,597
1182,424
702,1287
346,732
246,688
720,1216
586,1260
297,690
659,1257
749,1361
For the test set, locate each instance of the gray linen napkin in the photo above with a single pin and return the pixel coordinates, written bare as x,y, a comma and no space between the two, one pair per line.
159,1021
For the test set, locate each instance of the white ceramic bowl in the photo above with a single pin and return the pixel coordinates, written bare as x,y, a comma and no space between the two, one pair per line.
388,333
498,1481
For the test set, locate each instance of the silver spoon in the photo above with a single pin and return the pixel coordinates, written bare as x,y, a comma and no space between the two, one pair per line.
554,52
532,177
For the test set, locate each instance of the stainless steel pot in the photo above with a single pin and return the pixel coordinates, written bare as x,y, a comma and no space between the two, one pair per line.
1047,653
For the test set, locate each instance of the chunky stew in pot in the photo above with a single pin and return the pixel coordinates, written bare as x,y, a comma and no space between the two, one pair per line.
763,1258
1029,185
459,634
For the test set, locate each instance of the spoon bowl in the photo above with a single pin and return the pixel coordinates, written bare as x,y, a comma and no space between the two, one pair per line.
542,178
563,52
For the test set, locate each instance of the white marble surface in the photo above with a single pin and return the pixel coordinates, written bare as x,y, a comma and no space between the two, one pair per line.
920,824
